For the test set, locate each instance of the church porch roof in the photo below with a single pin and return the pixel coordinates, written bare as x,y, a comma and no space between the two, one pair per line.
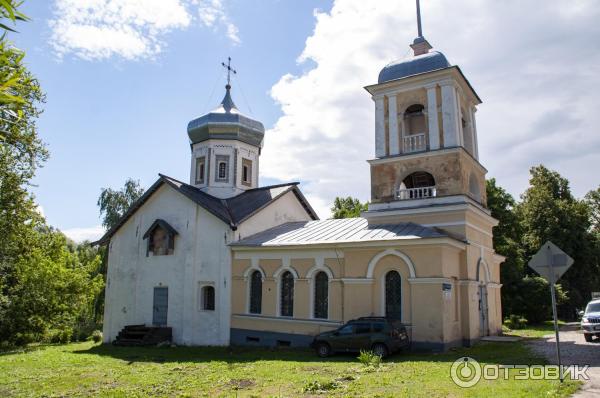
335,231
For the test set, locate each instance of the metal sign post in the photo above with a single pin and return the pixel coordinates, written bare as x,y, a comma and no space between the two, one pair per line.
553,294
551,263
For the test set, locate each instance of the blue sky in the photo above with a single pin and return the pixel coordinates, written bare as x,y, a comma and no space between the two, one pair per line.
123,78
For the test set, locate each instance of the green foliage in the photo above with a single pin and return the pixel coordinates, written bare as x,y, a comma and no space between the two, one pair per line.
369,359
348,207
9,13
317,387
97,336
547,212
515,322
52,292
113,204
592,199
47,284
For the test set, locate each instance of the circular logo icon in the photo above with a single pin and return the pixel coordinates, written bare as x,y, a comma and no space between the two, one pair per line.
465,372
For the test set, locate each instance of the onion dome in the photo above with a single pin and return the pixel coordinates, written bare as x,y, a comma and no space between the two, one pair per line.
226,123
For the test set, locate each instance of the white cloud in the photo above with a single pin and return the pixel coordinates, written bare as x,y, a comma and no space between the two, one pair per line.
212,15
130,29
86,233
532,63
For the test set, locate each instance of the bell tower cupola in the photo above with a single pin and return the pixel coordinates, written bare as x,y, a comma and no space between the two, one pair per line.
225,146
425,133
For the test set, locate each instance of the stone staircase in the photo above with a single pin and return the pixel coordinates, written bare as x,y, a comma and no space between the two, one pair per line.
142,335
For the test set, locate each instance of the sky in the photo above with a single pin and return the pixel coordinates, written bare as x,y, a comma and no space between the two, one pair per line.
124,77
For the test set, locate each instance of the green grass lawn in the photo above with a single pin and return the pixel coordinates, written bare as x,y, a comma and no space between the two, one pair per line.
83,369
535,331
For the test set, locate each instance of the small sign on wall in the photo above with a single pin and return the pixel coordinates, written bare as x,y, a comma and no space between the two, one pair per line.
447,290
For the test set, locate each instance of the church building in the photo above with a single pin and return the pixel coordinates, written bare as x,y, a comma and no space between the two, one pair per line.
220,260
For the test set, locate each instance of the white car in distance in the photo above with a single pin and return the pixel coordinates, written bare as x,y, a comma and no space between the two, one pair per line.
590,323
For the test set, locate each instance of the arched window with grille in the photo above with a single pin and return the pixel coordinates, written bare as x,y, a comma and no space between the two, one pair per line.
321,296
256,292
286,304
393,295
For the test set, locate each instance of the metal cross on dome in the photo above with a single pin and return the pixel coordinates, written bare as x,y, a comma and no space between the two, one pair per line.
229,69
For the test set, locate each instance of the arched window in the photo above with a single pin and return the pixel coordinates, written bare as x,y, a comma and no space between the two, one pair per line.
414,119
414,129
286,304
417,185
393,295
255,292
208,298
321,295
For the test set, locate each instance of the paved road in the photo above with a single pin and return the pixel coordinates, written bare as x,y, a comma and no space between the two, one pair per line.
574,351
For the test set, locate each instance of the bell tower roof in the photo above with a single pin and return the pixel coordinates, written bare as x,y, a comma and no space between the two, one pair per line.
413,65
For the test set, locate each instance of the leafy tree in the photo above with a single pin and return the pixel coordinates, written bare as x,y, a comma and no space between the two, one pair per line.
532,299
348,207
549,212
53,294
592,199
113,204
46,287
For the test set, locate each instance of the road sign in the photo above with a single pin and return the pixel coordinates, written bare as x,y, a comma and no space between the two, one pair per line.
550,262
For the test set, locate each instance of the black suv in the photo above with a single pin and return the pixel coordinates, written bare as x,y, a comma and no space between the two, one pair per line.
381,335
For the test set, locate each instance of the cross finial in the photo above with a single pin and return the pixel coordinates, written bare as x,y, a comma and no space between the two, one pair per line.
229,70
419,28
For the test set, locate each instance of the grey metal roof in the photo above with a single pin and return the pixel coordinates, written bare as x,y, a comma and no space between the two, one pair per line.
337,231
433,60
226,123
232,211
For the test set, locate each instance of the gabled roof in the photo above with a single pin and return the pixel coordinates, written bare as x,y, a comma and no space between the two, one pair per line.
232,211
346,230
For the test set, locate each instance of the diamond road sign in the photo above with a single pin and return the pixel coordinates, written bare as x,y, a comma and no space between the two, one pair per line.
550,262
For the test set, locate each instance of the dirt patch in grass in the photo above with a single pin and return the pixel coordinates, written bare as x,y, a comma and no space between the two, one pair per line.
239,384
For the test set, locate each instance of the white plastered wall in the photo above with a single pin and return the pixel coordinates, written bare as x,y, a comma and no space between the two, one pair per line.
200,257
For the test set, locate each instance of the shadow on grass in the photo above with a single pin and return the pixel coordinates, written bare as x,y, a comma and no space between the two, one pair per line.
500,353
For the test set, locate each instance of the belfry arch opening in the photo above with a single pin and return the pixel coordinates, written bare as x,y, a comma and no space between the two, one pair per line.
417,185
415,129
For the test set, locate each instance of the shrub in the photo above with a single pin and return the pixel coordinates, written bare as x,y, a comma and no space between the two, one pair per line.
369,359
97,336
59,336
515,322
317,387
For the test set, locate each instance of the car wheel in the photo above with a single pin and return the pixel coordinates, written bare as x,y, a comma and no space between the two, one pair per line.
379,350
588,337
323,350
